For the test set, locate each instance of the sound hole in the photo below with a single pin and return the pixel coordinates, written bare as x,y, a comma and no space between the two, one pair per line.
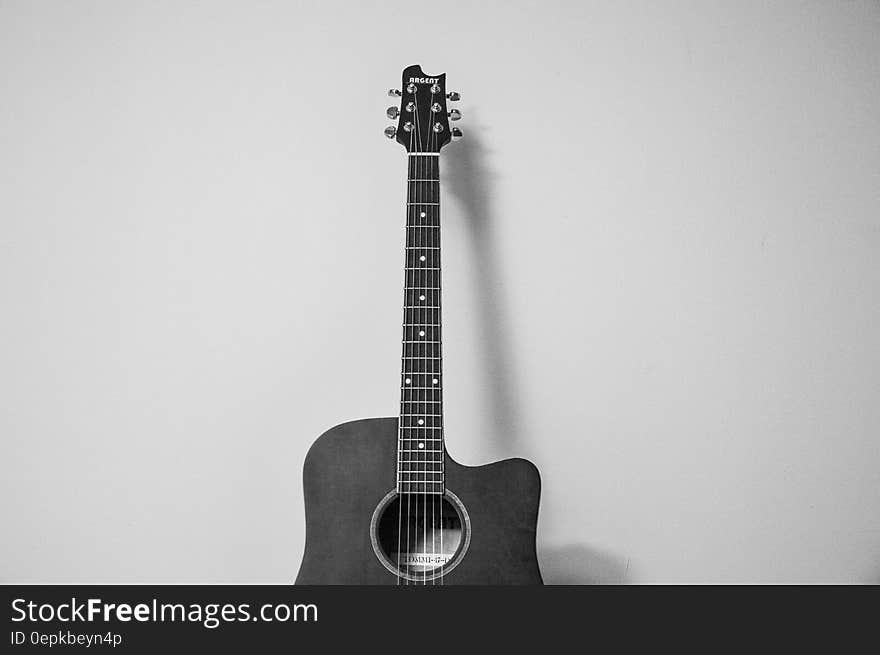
419,535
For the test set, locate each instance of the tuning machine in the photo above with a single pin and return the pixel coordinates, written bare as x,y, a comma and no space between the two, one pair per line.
394,93
453,95
392,112
390,131
456,134
454,115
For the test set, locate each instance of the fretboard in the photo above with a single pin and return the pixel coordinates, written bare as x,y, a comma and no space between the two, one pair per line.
420,444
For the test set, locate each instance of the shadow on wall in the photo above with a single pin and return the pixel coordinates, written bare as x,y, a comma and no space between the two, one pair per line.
582,565
468,178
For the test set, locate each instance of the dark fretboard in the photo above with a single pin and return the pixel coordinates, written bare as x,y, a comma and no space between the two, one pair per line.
420,443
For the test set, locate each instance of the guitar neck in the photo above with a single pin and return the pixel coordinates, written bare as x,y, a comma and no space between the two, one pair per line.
420,443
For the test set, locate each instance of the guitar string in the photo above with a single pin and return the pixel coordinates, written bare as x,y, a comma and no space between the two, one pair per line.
428,274
423,363
405,394
430,313
429,239
411,330
437,521
439,352
420,364
415,363
402,420
439,393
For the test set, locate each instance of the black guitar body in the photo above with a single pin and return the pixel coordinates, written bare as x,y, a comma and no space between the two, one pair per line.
353,529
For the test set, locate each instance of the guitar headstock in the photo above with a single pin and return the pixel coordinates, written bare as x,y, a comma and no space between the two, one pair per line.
423,118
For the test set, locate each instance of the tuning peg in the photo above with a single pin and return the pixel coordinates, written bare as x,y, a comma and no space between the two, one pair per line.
454,115
456,134
390,131
453,95
392,112
394,93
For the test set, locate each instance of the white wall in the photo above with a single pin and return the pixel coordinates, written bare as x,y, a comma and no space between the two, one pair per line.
660,270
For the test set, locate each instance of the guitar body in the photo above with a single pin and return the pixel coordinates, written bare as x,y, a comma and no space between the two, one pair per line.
350,470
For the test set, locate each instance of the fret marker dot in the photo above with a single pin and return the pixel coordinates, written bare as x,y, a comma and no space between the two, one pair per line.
423,214
421,445
421,333
421,421
422,258
434,380
421,297
407,380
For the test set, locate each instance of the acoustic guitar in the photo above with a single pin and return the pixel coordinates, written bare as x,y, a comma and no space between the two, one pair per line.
385,504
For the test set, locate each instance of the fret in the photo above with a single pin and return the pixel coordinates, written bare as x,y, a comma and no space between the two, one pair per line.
422,259
421,277
417,180
415,347
423,194
425,316
414,487
410,421
428,331
427,296
430,488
